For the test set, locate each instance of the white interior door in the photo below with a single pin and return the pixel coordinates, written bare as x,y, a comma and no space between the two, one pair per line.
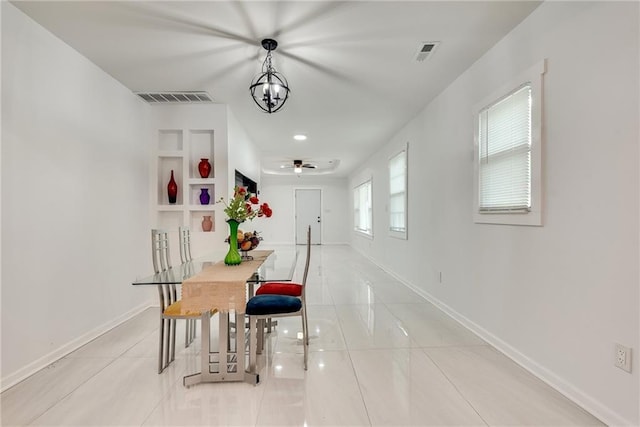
308,212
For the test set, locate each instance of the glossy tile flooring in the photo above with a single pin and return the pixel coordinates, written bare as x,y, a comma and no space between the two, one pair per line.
380,355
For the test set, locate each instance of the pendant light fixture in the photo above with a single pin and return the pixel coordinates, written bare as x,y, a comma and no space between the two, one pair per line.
269,89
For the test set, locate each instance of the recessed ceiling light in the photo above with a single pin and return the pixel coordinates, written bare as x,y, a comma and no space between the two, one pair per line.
300,137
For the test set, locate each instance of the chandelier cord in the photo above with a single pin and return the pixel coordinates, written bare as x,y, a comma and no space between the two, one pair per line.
266,65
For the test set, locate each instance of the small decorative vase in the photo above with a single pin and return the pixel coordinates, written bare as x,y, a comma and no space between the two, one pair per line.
207,224
172,189
233,256
204,167
204,196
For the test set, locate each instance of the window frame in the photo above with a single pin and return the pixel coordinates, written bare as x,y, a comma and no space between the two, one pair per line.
533,216
403,233
356,199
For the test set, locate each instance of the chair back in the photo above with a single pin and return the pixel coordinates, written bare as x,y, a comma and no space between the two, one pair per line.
184,233
162,262
160,250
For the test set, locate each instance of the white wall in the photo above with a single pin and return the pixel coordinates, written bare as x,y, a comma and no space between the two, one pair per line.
279,192
555,298
243,153
75,204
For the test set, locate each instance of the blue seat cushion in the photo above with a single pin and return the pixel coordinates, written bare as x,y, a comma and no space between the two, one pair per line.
272,304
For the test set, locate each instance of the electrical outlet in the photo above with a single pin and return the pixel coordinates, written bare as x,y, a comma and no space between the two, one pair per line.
623,358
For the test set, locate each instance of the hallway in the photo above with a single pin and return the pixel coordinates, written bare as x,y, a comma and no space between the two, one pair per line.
380,355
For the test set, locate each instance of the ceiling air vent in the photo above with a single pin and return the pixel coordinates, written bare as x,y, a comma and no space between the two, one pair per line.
425,50
175,97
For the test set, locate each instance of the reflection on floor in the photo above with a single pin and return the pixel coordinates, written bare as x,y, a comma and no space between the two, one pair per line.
380,355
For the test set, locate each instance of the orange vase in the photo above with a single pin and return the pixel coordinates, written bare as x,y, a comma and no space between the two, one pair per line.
207,224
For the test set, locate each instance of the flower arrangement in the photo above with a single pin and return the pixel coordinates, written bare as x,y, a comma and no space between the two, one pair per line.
241,206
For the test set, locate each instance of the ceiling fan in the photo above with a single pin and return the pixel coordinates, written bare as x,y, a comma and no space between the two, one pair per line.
298,165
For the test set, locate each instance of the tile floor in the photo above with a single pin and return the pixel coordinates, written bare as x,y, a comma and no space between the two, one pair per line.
380,355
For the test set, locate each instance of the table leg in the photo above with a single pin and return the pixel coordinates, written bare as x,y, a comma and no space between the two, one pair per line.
231,361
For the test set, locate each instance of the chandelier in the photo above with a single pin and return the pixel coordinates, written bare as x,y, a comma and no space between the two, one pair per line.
269,89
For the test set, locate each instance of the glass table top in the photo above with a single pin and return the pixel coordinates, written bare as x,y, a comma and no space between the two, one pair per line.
278,267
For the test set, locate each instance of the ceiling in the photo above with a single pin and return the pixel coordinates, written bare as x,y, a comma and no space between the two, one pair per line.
350,64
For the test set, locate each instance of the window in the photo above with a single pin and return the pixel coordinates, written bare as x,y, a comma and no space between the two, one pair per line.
363,209
505,153
398,195
508,139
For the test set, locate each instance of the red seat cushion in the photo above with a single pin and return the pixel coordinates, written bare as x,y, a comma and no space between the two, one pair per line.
280,288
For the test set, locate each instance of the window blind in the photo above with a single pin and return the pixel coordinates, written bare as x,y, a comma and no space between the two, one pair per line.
362,208
505,153
398,192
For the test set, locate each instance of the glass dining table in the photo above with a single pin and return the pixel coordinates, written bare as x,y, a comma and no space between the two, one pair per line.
276,265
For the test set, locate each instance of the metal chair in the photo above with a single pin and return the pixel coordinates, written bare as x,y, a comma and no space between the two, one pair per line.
170,305
184,236
265,306
291,288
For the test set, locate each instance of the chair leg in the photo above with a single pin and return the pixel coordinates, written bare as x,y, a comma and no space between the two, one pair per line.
187,332
172,329
253,345
166,336
305,325
260,336
305,338
160,346
190,332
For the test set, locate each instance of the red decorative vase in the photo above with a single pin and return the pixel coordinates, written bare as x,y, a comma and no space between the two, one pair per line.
172,189
204,167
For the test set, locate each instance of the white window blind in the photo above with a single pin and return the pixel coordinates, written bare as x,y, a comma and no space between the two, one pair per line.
362,208
505,154
398,192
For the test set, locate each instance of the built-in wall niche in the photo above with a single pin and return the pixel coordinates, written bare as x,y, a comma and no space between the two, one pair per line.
197,216
195,191
200,147
181,150
170,140
166,164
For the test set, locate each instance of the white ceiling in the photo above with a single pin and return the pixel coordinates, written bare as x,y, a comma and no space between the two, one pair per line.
350,65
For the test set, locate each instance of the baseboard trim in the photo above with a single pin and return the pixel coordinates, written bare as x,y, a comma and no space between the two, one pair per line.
33,367
577,396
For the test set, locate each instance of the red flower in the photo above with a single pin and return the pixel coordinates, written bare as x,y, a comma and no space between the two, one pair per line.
248,207
254,200
240,191
266,210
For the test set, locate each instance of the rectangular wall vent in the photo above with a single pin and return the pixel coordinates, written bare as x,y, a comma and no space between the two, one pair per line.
425,50
175,97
